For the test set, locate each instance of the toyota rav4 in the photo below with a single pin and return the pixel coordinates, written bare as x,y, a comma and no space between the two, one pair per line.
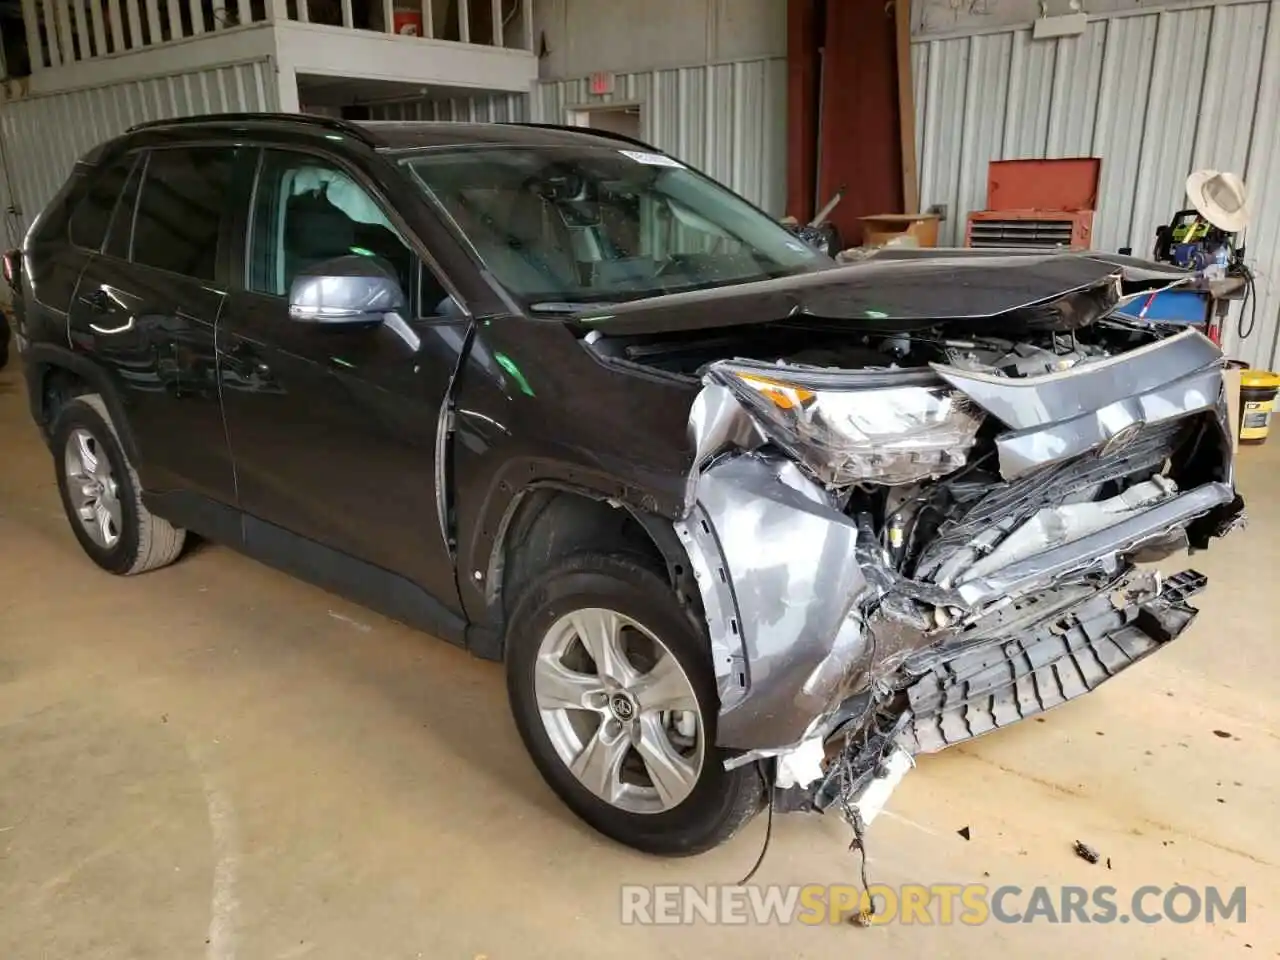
745,525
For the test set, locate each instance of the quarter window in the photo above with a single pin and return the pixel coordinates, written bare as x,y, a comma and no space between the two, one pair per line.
184,192
93,213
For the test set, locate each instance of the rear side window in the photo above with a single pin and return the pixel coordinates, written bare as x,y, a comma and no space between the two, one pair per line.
92,214
184,192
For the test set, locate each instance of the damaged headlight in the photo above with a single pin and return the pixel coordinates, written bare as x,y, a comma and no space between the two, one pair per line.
878,427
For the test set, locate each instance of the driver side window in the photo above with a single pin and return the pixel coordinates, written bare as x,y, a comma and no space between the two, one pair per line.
306,211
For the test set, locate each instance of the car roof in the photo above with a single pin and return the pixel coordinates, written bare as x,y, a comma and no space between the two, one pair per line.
394,134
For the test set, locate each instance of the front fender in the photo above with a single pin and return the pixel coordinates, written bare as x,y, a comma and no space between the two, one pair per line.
780,580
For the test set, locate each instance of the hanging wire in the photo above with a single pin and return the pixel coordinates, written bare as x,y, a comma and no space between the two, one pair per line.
768,828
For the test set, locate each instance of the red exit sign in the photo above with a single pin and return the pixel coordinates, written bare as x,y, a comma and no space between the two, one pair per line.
601,83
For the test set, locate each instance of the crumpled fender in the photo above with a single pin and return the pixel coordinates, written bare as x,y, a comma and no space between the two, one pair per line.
780,581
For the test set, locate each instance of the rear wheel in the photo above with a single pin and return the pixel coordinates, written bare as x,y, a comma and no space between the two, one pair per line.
612,689
102,496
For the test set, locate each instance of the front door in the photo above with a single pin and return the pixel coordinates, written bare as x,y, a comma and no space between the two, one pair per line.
333,430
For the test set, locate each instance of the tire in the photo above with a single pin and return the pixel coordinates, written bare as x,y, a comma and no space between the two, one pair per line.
591,585
142,541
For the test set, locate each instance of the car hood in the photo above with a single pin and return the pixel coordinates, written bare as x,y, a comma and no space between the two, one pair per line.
975,291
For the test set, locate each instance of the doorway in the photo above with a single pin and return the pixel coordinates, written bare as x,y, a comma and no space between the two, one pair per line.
625,120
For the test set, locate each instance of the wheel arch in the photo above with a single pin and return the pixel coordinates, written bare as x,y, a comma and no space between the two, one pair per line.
55,375
549,521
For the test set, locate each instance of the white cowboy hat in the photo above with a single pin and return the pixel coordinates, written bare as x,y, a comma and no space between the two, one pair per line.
1220,198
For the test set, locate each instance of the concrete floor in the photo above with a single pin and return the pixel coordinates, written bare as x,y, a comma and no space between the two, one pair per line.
216,760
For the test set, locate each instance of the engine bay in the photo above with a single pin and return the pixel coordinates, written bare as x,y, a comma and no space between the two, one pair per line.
819,344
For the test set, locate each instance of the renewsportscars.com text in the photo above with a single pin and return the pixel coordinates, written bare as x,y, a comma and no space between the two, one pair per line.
929,904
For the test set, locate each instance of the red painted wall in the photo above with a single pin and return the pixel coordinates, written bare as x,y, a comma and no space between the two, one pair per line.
860,145
803,36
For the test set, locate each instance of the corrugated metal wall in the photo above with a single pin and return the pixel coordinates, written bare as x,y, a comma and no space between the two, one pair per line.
1154,94
43,136
498,108
726,119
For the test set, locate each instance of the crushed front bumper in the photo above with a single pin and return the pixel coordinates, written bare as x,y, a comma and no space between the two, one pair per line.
806,618
966,690
961,691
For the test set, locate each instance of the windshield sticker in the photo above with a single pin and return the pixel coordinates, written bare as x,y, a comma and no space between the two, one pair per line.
652,159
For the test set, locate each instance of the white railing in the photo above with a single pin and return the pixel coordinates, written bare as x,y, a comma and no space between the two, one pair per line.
62,32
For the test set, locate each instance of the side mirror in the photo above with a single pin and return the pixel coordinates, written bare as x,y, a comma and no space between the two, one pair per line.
349,290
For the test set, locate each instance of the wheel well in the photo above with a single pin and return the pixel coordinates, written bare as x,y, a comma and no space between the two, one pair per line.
549,524
57,386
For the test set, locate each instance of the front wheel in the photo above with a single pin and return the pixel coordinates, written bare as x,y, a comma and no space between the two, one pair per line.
613,692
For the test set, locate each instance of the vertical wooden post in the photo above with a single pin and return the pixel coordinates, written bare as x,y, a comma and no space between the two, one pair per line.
175,19
99,28
134,23
30,19
526,17
196,12
428,20
153,20
906,108
116,23
79,44
348,18
495,13
389,16
464,21
65,43
51,33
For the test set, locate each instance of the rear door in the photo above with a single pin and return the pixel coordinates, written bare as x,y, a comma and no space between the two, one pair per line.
55,254
334,430
146,306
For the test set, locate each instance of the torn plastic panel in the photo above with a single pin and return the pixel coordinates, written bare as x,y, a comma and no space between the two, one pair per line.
1022,451
1101,550
1033,402
789,635
973,689
1077,637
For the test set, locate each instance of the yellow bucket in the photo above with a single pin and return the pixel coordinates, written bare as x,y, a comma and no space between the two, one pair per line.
1257,401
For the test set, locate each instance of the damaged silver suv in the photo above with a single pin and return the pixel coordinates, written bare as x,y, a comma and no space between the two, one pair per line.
745,525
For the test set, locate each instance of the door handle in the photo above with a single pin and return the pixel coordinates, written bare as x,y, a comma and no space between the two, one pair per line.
100,303
123,328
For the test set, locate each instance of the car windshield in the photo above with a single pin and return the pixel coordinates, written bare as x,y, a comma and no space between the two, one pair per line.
570,225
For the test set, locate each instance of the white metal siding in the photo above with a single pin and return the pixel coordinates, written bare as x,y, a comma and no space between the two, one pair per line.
499,108
43,136
726,119
1154,94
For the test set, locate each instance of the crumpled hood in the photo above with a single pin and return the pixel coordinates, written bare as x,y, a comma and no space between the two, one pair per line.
974,291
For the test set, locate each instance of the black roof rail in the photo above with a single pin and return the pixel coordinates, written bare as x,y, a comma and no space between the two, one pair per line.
307,119
607,134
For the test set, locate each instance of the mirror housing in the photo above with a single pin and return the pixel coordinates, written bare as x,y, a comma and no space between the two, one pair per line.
347,290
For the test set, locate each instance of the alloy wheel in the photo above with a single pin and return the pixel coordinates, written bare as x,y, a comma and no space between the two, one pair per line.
619,710
92,487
